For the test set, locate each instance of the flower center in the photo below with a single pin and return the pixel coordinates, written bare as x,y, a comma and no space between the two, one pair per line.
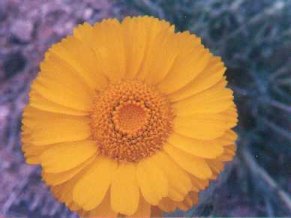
130,121
129,118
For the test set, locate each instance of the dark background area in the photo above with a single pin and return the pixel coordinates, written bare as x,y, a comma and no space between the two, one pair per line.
254,40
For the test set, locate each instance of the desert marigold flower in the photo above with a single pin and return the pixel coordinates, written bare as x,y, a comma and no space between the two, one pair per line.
127,118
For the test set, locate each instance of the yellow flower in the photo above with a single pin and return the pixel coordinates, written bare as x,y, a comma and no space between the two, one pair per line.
129,117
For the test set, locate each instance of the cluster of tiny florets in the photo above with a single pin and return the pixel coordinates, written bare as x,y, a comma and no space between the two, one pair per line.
130,121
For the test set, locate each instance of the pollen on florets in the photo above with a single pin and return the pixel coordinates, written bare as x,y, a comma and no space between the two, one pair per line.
130,121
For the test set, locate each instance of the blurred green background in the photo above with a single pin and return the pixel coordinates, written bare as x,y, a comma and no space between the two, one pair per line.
254,40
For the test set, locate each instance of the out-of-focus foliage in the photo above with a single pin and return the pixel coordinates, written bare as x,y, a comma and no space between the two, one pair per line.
254,40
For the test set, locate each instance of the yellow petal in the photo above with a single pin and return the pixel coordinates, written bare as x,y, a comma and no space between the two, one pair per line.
59,82
63,94
142,36
124,190
66,156
186,67
156,212
228,153
74,207
212,73
196,166
213,100
38,101
159,43
188,202
216,167
205,126
199,148
179,181
84,33
82,59
59,178
185,205
228,138
232,115
152,181
168,51
32,153
64,192
104,210
50,128
167,205
91,188
31,159
144,209
199,184
108,45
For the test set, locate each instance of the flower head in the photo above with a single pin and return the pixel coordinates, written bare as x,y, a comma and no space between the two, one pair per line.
127,117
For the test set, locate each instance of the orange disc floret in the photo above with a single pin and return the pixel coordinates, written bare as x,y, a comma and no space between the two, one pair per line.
130,121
